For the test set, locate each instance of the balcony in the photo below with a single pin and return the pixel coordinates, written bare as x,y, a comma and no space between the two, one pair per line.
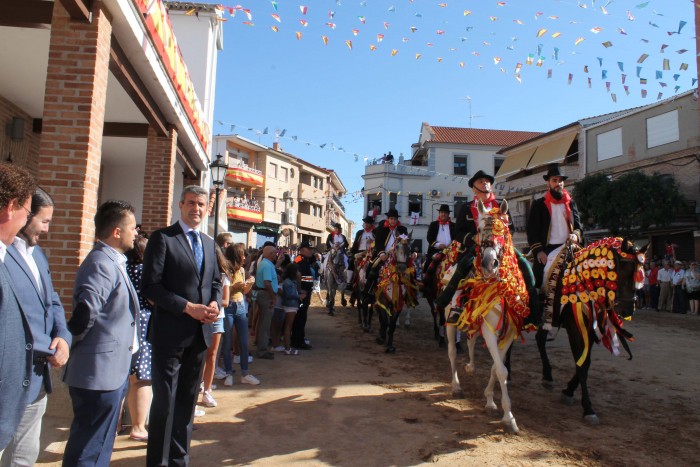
244,210
403,169
338,203
310,222
311,194
241,174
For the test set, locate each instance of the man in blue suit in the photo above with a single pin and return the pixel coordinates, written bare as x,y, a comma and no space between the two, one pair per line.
30,273
105,332
181,276
16,354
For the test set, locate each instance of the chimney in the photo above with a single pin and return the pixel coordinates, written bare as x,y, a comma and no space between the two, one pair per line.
276,146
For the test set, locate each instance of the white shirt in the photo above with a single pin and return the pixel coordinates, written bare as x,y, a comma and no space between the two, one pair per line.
665,275
3,251
443,235
390,241
677,277
187,229
559,228
26,251
366,240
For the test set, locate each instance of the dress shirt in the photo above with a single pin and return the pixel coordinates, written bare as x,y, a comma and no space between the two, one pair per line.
27,251
665,275
677,277
3,251
366,240
187,229
443,236
559,229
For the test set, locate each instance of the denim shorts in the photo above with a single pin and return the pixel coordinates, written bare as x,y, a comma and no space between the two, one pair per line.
218,326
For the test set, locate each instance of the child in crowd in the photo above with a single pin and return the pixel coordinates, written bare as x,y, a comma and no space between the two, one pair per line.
291,299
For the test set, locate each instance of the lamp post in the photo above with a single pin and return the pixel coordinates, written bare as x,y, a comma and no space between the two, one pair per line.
218,173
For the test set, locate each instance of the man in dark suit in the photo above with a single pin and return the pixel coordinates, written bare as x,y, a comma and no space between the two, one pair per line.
336,239
16,354
105,332
384,238
182,278
30,272
440,232
364,237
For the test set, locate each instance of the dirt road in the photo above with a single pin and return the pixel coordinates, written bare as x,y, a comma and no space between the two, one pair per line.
347,403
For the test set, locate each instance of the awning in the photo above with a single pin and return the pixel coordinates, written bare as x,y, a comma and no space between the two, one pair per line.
553,151
515,162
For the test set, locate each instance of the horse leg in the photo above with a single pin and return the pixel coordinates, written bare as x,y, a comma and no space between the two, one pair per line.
470,366
407,320
541,339
343,302
506,362
433,312
383,325
457,391
330,298
499,371
392,327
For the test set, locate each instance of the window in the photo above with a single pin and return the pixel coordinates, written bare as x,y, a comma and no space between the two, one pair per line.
314,181
273,170
291,173
609,144
460,165
415,204
284,174
497,163
320,184
662,129
392,200
271,204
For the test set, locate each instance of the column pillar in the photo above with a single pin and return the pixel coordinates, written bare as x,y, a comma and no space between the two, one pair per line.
161,153
71,138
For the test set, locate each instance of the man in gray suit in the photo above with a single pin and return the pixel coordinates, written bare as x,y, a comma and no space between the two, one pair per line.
104,325
30,273
16,188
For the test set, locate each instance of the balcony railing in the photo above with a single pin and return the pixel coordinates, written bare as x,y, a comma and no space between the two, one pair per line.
244,210
241,173
337,201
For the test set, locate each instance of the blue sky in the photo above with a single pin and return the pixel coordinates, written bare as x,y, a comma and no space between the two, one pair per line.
360,103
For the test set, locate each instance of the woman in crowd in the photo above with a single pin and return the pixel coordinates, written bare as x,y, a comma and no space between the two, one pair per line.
236,316
217,330
691,282
139,396
291,299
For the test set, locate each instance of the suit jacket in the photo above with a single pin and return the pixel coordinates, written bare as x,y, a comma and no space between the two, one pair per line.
381,237
358,239
539,222
170,279
16,356
433,230
43,310
102,351
329,241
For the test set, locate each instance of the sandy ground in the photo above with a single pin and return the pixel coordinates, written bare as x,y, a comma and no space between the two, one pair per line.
348,403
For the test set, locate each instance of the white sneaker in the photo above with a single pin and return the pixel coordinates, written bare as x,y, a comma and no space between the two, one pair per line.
199,412
208,400
229,380
250,379
279,348
307,341
219,374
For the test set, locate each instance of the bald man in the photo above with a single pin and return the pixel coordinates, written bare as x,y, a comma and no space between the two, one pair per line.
266,285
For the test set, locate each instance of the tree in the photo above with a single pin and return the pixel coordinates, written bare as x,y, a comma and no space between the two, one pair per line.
628,204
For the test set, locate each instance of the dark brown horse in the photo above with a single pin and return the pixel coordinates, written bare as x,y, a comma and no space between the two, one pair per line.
591,293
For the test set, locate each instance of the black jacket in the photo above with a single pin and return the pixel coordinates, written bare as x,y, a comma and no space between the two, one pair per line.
358,238
539,222
433,230
329,241
381,237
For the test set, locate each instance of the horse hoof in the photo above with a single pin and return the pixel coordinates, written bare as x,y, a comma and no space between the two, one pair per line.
511,426
567,400
547,383
457,394
380,341
390,350
469,368
591,419
491,407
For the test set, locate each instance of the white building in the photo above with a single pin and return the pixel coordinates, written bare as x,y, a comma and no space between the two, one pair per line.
442,161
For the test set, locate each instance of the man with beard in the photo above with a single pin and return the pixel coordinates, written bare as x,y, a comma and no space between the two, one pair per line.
553,220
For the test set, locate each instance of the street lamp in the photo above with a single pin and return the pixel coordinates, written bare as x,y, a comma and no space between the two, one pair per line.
218,174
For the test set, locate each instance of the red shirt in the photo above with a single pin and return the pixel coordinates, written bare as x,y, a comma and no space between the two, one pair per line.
654,276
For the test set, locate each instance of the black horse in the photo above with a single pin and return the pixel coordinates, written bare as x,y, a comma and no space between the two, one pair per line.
592,292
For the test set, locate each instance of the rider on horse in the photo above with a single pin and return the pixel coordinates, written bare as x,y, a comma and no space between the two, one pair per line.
554,220
440,234
384,238
480,183
362,244
336,239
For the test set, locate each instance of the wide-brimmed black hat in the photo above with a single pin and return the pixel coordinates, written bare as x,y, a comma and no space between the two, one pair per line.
392,213
444,208
554,171
306,245
478,175
368,220
337,225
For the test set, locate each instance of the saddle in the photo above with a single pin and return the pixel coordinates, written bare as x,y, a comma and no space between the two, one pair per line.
552,305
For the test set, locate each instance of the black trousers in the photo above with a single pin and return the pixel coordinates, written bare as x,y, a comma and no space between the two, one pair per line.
299,324
176,374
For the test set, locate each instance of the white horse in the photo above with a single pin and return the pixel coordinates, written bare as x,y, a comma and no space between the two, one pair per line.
494,285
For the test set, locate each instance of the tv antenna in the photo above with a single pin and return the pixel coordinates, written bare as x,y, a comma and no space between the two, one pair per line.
471,115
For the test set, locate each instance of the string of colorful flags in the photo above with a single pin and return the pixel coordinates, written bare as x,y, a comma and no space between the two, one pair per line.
552,42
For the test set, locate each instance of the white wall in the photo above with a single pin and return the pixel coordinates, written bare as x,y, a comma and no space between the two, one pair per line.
124,182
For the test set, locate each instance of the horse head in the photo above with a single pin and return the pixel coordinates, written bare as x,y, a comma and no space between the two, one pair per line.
630,275
492,229
402,252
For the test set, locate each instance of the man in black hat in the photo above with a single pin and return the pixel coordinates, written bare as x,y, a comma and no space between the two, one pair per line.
362,244
384,238
304,261
336,239
440,232
553,220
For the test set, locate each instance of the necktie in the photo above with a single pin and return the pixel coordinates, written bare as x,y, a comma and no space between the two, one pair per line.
197,250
